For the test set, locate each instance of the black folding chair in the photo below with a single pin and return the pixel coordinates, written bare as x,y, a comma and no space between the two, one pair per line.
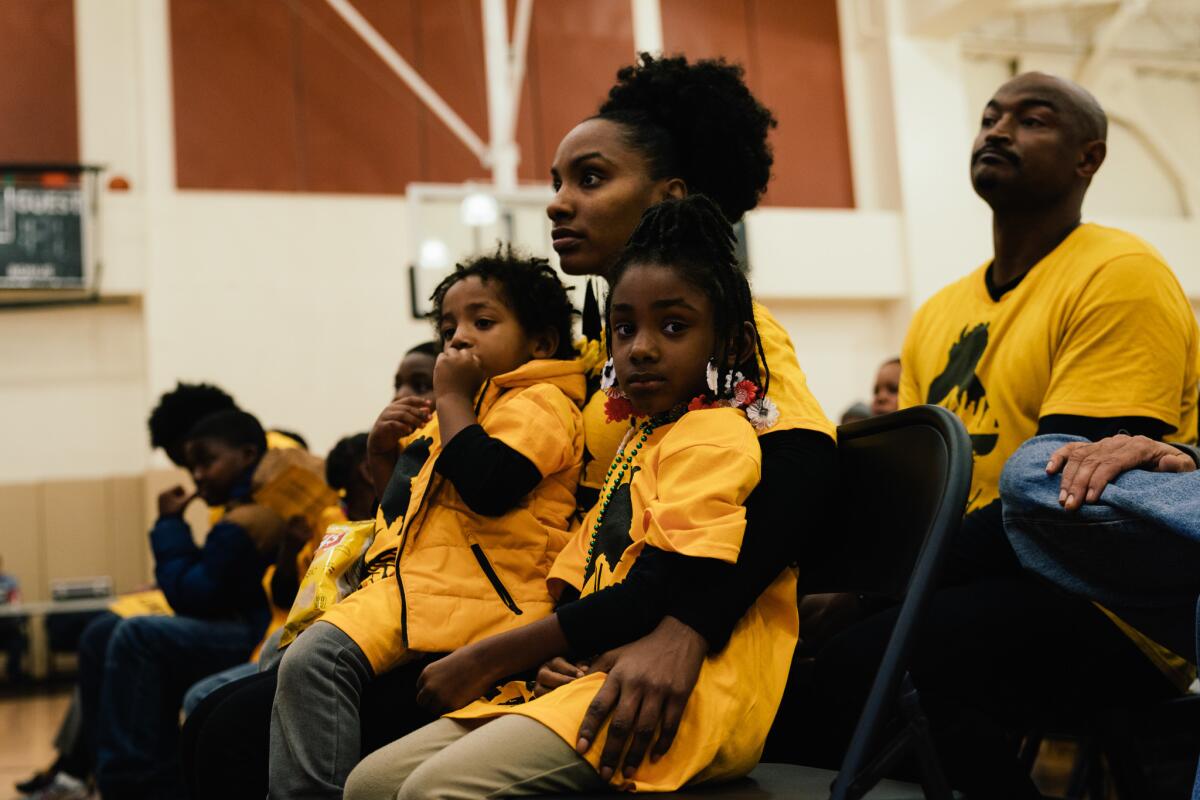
903,483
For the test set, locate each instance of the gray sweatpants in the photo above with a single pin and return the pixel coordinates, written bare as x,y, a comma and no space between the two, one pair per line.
315,720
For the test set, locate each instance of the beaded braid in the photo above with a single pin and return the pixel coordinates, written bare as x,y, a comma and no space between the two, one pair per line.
692,236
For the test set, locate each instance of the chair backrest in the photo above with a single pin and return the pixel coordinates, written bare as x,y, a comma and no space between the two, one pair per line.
902,484
904,480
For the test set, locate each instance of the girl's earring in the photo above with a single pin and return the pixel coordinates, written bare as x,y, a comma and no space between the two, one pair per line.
713,377
617,407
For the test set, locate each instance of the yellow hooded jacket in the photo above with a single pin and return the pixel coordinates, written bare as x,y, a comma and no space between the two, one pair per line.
461,576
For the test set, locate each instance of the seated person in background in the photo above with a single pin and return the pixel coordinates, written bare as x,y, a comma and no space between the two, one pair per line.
885,396
856,412
1070,328
133,672
181,408
414,375
12,629
685,353
1116,522
462,549
346,473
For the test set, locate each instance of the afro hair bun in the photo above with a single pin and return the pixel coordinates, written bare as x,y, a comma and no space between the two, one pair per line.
716,131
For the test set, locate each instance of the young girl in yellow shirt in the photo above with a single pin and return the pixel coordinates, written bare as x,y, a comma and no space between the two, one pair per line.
683,350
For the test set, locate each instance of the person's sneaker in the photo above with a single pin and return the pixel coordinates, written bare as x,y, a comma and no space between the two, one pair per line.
39,781
63,787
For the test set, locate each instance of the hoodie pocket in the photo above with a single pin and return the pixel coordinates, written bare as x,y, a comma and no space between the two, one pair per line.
494,579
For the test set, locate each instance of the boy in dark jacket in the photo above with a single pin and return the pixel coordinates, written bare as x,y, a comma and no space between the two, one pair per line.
139,667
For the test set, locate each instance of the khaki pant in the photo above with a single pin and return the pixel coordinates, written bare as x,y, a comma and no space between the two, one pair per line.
509,756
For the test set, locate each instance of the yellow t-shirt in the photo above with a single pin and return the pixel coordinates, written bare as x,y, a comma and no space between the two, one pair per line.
1100,327
685,493
788,388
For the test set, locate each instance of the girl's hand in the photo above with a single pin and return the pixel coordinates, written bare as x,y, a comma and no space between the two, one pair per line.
457,372
557,672
454,680
400,418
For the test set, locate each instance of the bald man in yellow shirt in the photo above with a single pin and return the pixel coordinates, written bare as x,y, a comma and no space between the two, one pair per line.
1070,328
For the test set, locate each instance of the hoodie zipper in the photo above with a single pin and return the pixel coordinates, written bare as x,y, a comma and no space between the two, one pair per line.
494,579
431,491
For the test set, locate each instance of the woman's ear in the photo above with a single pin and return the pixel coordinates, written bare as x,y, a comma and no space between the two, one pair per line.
742,346
545,344
673,188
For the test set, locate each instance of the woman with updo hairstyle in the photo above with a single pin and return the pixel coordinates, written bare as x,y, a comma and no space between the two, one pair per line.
670,128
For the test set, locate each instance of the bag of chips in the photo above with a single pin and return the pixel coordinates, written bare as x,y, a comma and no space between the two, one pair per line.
333,574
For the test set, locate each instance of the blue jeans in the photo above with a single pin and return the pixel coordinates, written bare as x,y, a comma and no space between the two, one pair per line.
149,662
1136,550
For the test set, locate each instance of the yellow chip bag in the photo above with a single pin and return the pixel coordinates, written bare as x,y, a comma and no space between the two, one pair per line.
332,575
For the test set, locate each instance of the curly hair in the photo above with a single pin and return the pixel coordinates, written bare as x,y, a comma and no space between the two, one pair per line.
181,408
698,122
344,459
693,237
529,286
232,426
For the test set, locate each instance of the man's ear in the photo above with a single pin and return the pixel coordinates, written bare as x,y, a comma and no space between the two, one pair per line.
545,344
1090,158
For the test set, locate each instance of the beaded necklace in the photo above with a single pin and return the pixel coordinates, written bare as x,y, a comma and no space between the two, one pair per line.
621,464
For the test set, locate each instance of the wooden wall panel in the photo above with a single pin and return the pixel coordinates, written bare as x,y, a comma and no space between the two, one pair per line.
76,529
235,99
450,33
359,126
576,48
707,29
20,538
798,73
791,54
37,81
129,553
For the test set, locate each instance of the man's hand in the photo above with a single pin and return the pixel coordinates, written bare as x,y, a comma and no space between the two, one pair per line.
454,680
555,673
647,688
400,418
457,372
1087,467
173,501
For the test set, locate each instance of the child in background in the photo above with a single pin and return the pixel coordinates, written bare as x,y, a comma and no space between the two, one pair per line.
414,375
683,345
886,394
464,543
134,671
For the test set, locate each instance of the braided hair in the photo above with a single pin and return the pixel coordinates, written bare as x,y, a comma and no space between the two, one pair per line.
693,237
529,286
698,122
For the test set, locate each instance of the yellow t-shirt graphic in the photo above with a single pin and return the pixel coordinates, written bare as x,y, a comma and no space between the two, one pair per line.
1100,327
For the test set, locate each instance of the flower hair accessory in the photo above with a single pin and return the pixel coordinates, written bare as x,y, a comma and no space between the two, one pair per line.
737,391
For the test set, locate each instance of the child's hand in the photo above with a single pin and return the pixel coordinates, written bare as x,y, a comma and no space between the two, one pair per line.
457,372
557,672
399,419
454,680
173,501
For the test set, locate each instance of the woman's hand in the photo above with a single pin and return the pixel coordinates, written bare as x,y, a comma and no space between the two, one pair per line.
557,672
647,688
1087,467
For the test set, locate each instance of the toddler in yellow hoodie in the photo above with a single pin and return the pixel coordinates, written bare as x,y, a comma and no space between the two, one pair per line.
475,505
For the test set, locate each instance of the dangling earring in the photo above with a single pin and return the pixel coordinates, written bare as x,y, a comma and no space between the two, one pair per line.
617,407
